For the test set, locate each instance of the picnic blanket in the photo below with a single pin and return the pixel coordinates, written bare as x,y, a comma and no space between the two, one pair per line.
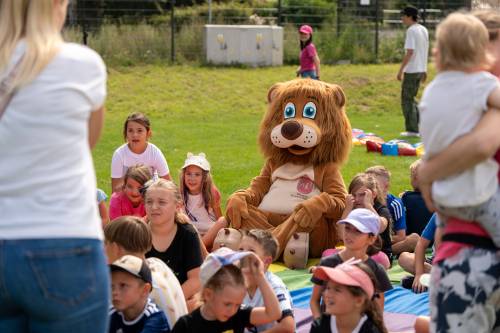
401,307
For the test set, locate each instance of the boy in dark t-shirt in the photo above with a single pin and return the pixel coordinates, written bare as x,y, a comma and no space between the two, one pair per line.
133,311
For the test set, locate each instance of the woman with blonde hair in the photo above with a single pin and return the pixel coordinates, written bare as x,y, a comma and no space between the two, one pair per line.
53,273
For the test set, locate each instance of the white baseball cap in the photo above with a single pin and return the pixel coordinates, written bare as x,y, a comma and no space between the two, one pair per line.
133,265
364,220
199,160
218,259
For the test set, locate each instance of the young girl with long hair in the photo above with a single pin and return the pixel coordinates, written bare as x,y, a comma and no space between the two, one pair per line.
138,150
130,201
309,59
222,294
361,228
175,240
201,198
52,108
349,303
364,192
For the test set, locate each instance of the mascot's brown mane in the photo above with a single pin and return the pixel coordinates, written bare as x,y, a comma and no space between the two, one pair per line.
331,118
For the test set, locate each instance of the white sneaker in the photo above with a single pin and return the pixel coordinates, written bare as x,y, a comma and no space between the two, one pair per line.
410,134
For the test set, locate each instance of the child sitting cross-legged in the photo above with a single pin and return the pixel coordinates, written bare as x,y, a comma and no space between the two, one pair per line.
265,246
361,228
133,311
223,290
349,300
129,235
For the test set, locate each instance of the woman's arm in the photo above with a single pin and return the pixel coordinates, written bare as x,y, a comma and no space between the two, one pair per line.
192,285
317,64
95,124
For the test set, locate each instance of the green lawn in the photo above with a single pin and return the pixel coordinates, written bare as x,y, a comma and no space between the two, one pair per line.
218,111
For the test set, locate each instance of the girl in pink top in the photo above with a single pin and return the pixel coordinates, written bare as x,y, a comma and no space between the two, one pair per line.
129,201
309,59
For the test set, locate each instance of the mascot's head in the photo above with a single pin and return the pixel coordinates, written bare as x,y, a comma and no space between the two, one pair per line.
305,123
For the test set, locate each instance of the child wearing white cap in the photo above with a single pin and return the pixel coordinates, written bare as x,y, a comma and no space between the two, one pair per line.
349,292
223,290
361,229
201,198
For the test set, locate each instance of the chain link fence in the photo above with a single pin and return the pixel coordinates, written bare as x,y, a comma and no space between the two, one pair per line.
128,32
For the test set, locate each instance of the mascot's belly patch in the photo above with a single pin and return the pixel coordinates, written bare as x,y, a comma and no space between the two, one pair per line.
292,184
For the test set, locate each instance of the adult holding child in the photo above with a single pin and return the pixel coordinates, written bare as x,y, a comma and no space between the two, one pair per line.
465,246
51,107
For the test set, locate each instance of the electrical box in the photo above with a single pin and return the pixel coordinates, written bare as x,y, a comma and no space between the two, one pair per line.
254,45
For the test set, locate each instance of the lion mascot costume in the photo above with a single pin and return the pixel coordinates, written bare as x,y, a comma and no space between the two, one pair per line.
305,137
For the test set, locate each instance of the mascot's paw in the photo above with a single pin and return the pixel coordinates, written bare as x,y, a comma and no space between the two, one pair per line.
297,251
227,237
236,210
303,219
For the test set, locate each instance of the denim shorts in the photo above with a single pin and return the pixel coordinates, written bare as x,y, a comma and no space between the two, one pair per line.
53,286
310,74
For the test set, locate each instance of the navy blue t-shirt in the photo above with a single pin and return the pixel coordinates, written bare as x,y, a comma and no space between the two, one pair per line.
417,214
151,320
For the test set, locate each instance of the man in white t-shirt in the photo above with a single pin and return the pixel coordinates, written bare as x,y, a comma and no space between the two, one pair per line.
413,68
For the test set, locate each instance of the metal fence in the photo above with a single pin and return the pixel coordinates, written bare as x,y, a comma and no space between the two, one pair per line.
359,31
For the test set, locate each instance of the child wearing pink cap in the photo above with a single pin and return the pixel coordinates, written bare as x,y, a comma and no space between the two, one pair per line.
309,59
349,294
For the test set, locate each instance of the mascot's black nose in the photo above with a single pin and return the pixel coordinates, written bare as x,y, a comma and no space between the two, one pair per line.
291,130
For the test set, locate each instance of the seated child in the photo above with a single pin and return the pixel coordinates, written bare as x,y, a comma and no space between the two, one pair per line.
223,290
416,263
201,198
401,240
101,204
349,302
129,201
175,241
133,311
417,214
361,228
130,235
265,246
137,150
462,87
364,192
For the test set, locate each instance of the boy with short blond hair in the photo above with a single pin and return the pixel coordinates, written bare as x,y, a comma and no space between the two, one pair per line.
133,311
400,241
130,235
265,246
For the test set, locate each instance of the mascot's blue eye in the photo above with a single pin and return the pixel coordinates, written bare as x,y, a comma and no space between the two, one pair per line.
309,110
289,111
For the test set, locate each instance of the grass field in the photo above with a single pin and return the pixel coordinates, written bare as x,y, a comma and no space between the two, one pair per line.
218,111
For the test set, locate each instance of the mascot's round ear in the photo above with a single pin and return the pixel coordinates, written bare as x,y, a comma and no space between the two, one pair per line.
338,94
273,92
